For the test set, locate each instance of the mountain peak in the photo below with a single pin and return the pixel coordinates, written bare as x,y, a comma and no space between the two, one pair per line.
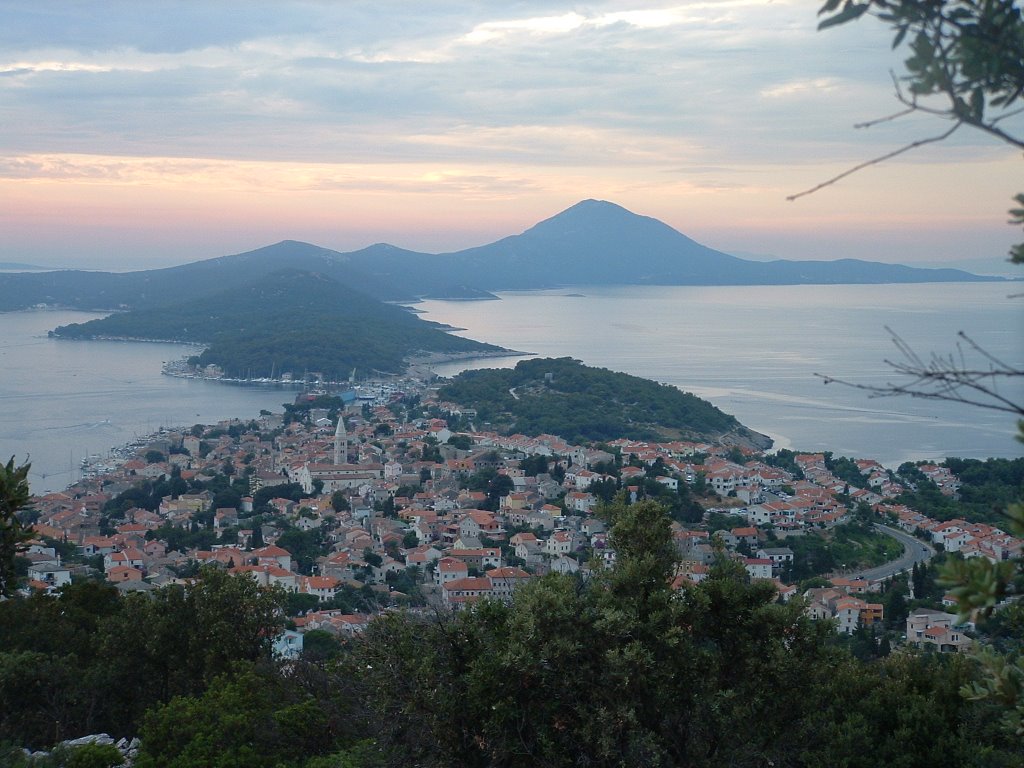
600,221
591,204
590,216
594,208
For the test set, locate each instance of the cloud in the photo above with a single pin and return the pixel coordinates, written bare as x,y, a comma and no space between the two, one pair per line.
468,100
303,82
275,177
814,86
30,67
492,31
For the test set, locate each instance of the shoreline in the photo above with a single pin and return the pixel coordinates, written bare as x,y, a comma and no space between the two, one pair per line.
422,365
415,365
434,358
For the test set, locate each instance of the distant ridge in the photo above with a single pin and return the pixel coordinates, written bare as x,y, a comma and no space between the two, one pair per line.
601,243
14,266
593,242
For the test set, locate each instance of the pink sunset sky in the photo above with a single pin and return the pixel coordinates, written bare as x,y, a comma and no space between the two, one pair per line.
137,135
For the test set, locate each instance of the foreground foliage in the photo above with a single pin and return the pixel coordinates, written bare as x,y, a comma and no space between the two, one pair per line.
620,669
14,497
94,661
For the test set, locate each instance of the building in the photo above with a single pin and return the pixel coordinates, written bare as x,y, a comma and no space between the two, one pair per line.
936,629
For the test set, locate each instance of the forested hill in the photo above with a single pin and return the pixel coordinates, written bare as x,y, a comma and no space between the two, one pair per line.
580,403
289,321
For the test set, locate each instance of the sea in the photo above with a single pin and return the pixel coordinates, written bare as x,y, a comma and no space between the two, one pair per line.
761,354
63,401
755,352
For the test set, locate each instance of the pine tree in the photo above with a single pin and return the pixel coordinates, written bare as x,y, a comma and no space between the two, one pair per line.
14,497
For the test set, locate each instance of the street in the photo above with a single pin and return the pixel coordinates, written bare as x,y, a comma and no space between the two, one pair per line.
914,551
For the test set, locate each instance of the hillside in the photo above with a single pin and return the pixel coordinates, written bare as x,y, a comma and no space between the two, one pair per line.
591,243
289,321
173,285
580,403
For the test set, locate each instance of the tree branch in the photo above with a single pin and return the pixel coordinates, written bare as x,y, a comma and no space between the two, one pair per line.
881,159
947,378
990,129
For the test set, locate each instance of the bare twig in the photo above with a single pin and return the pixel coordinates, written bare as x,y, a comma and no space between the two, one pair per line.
895,116
947,378
1011,113
881,159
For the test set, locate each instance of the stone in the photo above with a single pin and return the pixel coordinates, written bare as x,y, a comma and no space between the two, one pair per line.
96,738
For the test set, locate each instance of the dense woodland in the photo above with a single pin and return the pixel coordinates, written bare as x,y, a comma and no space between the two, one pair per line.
584,404
987,488
290,321
618,670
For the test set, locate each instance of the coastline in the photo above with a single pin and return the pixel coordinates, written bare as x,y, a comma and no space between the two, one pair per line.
418,365
422,363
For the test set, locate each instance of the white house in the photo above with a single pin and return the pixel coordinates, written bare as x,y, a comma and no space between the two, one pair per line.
758,567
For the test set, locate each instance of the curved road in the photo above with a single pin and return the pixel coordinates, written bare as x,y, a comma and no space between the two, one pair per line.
914,551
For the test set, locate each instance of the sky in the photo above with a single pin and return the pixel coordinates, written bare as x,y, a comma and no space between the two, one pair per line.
137,135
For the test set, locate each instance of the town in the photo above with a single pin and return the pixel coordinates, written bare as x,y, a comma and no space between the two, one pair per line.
356,507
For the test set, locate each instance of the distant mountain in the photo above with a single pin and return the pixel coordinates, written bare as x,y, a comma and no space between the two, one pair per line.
596,242
600,243
173,285
15,266
288,321
592,243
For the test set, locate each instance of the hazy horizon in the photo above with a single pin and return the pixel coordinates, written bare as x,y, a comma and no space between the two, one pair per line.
157,134
983,266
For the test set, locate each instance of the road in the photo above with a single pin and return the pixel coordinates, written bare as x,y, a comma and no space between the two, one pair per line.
914,551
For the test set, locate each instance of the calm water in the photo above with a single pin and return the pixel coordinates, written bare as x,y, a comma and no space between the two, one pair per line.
754,352
61,401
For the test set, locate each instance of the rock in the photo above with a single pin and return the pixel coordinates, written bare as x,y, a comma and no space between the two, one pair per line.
96,738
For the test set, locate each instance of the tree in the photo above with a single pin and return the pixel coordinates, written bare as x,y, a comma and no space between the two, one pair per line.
620,669
304,546
319,645
462,442
94,756
298,603
14,497
372,558
250,717
237,617
497,487
969,55
339,501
